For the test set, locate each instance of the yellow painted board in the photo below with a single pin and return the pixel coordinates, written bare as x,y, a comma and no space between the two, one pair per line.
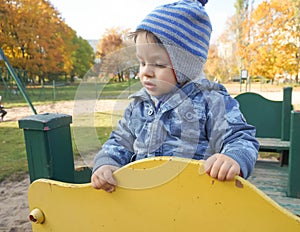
158,194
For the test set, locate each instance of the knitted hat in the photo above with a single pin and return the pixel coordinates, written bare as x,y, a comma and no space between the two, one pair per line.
184,28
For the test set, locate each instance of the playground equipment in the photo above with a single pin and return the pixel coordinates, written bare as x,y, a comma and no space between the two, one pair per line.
18,81
9,84
277,130
273,134
157,194
49,148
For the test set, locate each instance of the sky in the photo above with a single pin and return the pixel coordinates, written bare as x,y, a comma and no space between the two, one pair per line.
90,18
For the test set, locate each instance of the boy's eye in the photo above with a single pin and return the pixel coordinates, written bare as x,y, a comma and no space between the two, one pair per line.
161,65
142,63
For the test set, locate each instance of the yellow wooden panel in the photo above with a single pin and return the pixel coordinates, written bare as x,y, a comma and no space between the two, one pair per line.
158,194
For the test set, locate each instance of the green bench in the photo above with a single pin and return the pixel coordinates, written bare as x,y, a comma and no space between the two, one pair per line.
272,120
278,129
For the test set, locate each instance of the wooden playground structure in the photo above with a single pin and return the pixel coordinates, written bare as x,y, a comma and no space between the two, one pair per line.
158,194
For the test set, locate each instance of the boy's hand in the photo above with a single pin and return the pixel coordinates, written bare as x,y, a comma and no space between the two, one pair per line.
103,178
222,167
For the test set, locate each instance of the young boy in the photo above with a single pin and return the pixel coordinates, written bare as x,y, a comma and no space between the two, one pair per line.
2,111
178,112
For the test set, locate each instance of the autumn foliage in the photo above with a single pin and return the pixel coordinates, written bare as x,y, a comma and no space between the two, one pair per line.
271,40
263,39
117,54
35,38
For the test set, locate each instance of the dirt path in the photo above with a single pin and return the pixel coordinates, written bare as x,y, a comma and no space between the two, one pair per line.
16,113
13,206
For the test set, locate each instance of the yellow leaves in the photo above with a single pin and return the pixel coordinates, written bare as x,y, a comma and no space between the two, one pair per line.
34,37
261,12
110,42
270,27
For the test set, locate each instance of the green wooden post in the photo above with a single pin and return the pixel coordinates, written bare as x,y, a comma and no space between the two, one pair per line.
286,113
294,157
49,146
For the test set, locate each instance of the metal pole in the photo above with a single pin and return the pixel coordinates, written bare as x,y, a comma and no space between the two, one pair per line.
54,90
19,84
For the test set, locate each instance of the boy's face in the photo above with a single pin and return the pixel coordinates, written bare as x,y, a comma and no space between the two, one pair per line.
156,72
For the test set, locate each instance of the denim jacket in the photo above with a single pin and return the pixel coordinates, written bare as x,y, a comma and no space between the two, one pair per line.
197,121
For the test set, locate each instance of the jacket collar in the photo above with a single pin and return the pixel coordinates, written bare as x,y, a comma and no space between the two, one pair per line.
181,94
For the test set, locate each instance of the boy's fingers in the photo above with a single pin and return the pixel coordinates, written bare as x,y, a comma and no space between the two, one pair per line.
108,176
208,164
232,172
108,187
96,182
103,178
213,167
224,171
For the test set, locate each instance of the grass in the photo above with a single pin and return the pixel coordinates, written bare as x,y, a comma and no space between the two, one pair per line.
47,94
13,159
13,155
86,143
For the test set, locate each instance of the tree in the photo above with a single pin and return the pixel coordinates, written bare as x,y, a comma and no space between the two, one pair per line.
223,62
212,67
34,37
296,42
115,52
30,42
268,34
242,14
82,57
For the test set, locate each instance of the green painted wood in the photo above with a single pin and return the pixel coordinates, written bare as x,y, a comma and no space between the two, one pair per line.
44,122
294,157
286,113
271,119
264,114
49,146
82,175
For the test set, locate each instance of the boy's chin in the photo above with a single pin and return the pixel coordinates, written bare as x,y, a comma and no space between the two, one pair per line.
155,94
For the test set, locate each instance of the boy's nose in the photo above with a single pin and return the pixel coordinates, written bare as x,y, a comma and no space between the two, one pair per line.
147,70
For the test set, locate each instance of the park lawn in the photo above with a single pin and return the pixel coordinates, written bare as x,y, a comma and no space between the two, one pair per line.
13,159
47,94
88,140
39,96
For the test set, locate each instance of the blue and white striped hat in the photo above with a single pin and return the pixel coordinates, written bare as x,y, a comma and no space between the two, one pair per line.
184,28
